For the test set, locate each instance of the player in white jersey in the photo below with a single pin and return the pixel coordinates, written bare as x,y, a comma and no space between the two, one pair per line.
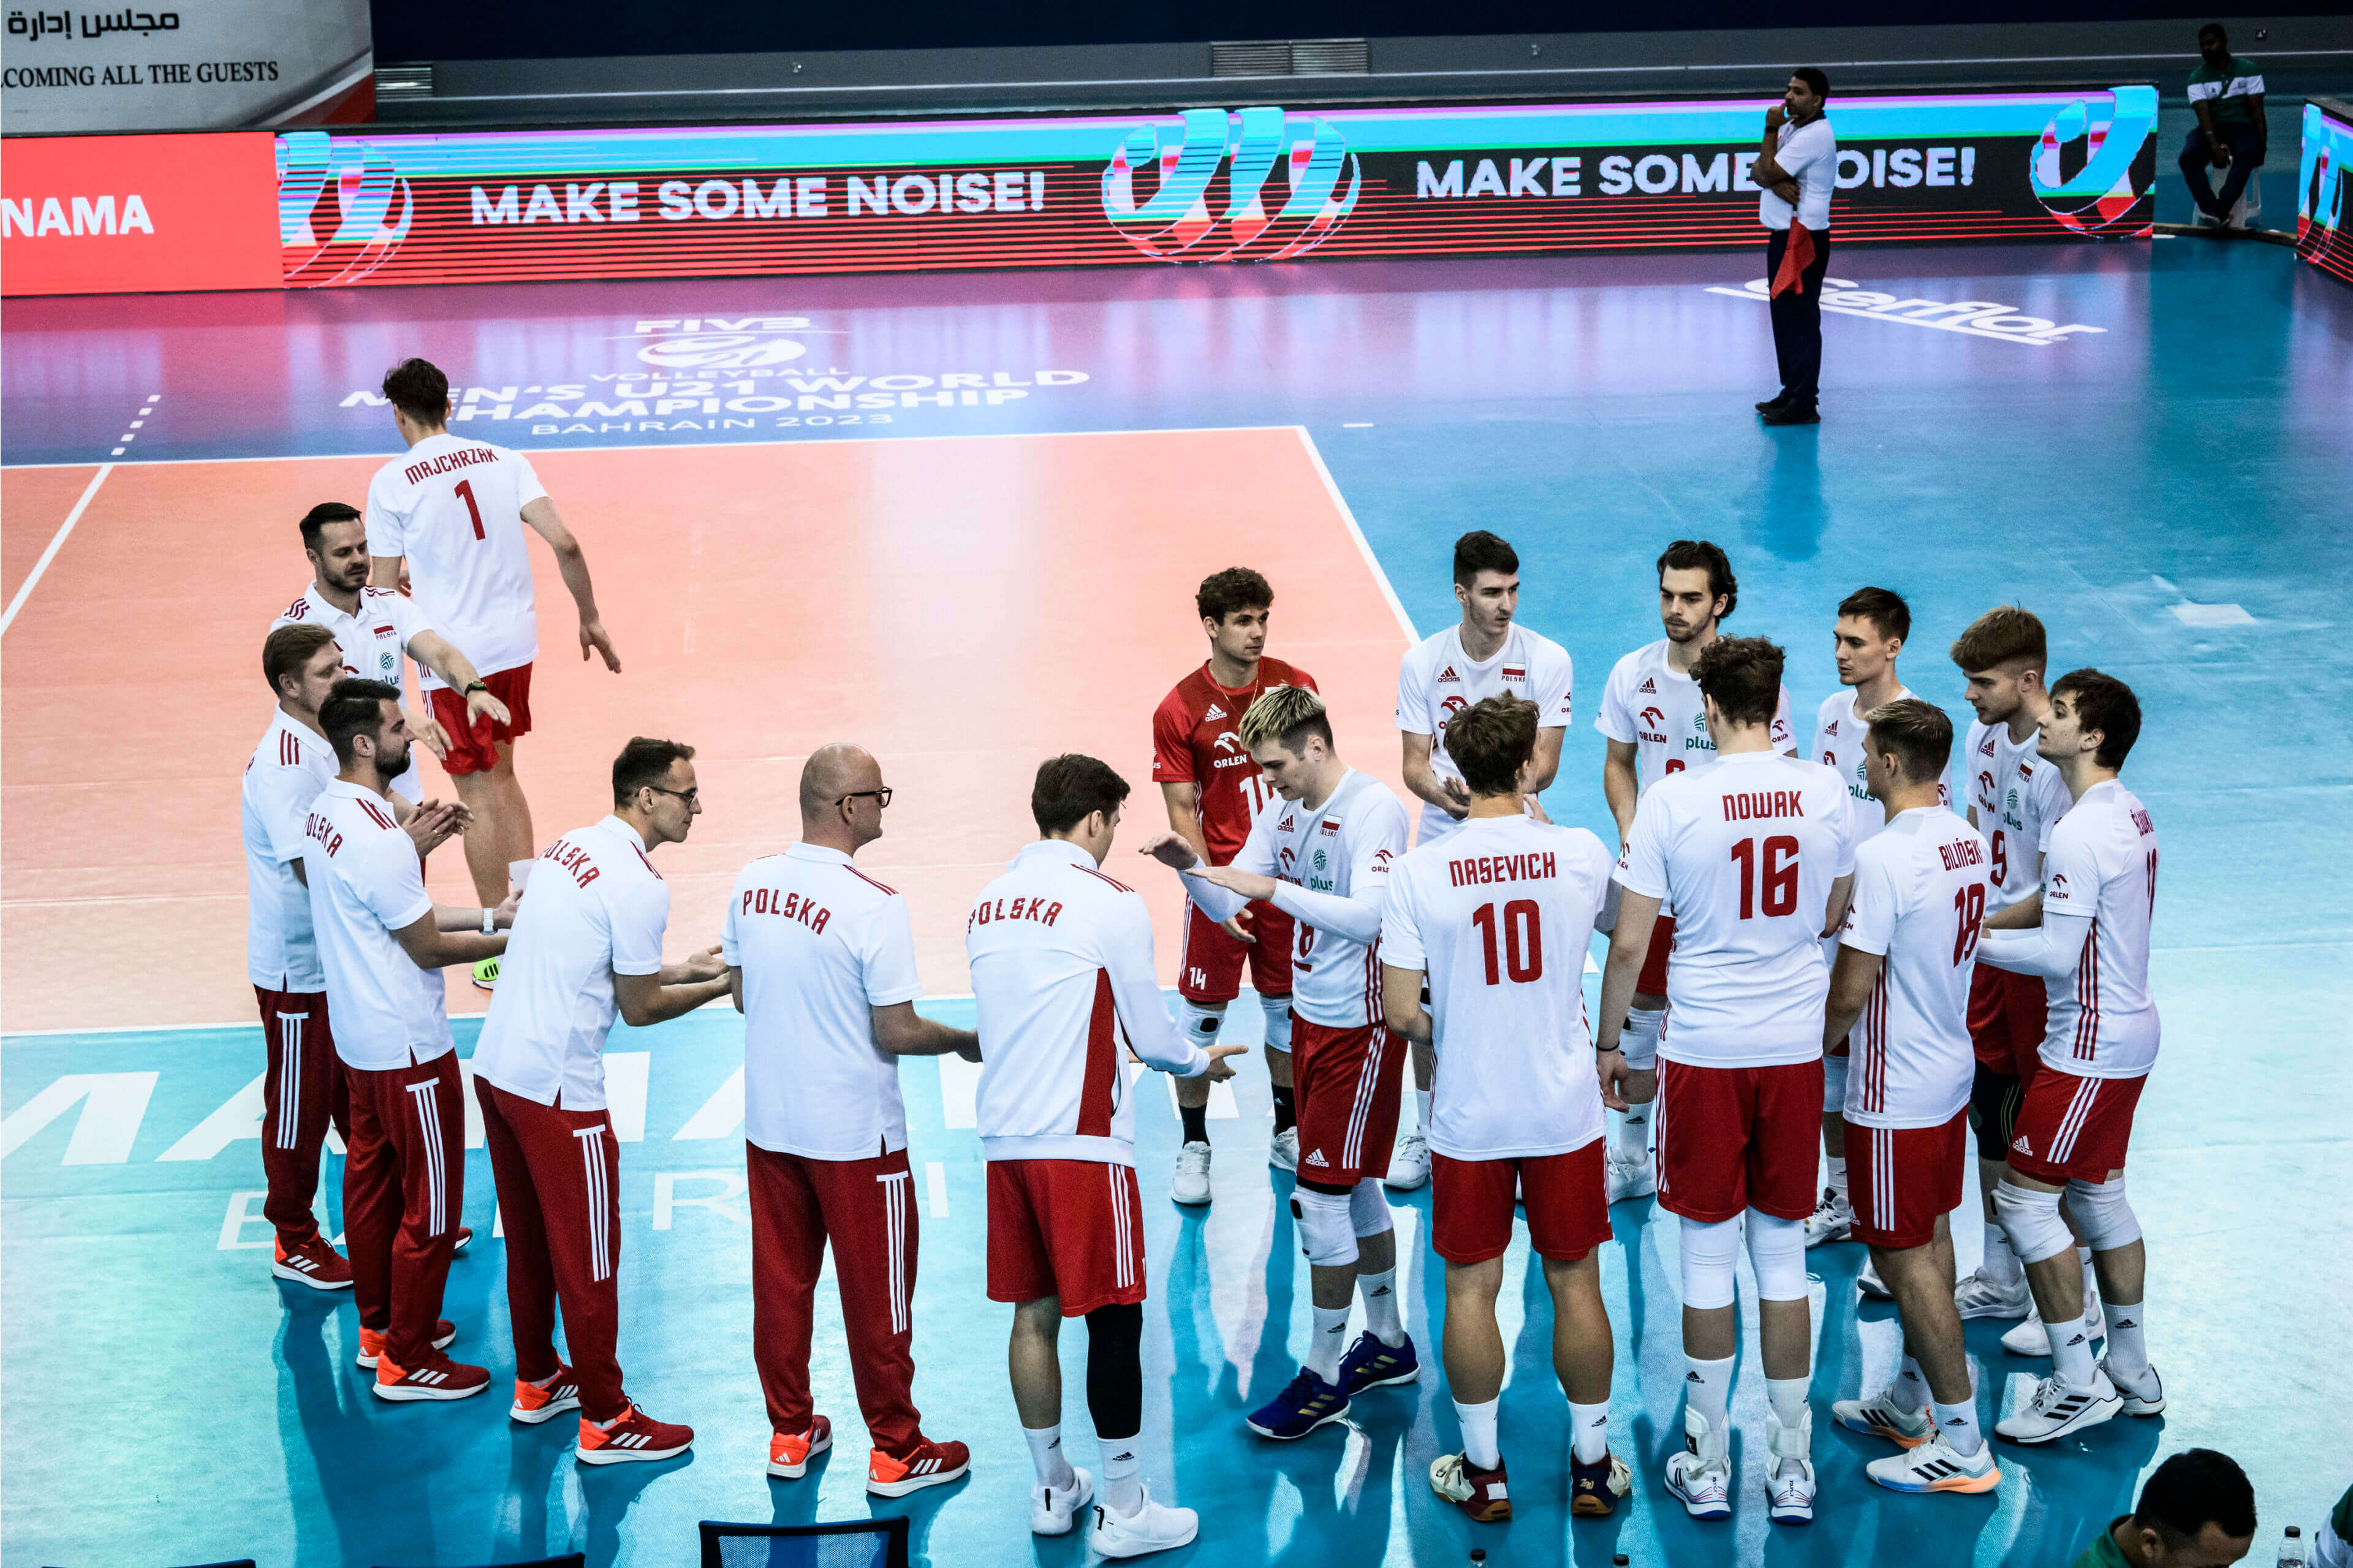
1866,638
1486,654
375,626
1902,986
2013,796
455,510
2099,892
1064,982
382,942
1655,725
822,960
586,946
1320,852
1756,855
1493,923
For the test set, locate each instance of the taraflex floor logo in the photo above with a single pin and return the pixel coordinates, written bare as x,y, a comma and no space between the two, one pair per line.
1975,318
1201,191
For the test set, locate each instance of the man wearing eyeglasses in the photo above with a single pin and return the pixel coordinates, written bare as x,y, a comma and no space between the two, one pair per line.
822,961
588,944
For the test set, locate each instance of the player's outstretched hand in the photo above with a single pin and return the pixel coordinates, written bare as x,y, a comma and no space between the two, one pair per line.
1172,849
1458,799
482,705
970,1053
433,824
503,917
701,966
1614,1072
427,729
594,636
1238,927
1219,1069
1535,808
1234,879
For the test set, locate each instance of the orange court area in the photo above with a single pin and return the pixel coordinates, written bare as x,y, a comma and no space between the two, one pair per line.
961,607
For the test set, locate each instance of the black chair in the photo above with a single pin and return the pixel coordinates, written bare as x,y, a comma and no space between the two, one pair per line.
570,1560
860,1543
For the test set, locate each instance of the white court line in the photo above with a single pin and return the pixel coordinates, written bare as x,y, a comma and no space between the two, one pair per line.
1363,549
8,617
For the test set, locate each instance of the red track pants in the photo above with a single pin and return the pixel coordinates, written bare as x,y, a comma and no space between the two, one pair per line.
404,1187
302,1093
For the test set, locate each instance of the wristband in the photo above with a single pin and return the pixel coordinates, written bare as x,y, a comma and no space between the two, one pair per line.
474,686
489,922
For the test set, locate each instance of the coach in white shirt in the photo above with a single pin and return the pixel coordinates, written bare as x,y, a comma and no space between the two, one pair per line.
1797,169
821,958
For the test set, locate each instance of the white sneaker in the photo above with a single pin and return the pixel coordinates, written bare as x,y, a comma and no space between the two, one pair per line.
1051,1510
1982,1296
1884,1415
1867,1280
1832,1219
1410,1169
1155,1527
1790,1479
1191,1183
1628,1176
1702,1475
1936,1467
1283,1153
2056,1410
2143,1392
2031,1337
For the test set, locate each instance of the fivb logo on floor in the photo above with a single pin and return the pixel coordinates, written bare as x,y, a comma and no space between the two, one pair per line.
1200,190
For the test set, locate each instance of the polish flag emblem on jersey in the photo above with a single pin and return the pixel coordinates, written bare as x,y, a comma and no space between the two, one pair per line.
1515,672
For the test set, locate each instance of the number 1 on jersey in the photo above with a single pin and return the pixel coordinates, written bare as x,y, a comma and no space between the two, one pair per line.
466,493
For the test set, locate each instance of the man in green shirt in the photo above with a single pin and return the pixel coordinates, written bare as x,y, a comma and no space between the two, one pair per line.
2196,1511
2227,94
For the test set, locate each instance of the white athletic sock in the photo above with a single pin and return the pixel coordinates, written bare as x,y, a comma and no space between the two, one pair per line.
1379,1291
1630,1132
1589,1431
1707,1388
1123,1482
1323,1351
1838,1174
1911,1389
1786,1396
2128,1346
1958,1425
2000,1263
2071,1355
1479,1433
1421,1104
1046,1456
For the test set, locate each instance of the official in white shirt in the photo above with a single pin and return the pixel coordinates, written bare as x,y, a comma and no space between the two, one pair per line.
1797,169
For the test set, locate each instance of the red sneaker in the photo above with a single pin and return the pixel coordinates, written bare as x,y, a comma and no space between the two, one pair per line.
445,1334
789,1453
631,1435
439,1378
927,1464
314,1264
538,1402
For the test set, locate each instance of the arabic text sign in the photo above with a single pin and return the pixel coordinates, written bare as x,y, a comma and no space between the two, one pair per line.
199,64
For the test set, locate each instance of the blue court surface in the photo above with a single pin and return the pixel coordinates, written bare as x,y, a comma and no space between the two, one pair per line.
2168,482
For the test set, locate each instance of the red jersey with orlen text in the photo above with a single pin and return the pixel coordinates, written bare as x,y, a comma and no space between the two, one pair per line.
1197,740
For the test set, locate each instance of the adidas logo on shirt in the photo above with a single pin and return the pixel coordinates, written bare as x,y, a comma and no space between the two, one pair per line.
2021,1144
1649,687
1448,674
1314,1157
1834,728
1215,713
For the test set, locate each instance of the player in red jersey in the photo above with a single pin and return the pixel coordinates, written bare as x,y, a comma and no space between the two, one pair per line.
1213,790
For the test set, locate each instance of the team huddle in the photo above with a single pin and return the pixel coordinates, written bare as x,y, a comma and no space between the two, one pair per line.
1854,959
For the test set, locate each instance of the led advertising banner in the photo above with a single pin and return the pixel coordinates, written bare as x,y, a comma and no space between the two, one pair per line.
2324,210
115,215
1262,184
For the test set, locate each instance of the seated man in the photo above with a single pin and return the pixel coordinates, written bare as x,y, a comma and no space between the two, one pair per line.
2196,1510
2227,93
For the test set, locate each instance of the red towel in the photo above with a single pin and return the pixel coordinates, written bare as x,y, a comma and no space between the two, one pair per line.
1795,258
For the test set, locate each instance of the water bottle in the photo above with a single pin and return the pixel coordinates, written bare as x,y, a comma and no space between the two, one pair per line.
2291,1549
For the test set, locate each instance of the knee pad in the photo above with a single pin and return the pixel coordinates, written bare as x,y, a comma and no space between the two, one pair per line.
1199,1023
1776,1249
2031,1222
1640,1038
1833,1081
1115,1370
1278,1023
1369,1209
1711,1259
1326,1233
2103,1214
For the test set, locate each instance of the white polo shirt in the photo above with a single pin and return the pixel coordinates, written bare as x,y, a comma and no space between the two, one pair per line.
289,767
821,944
366,883
372,641
1808,154
596,908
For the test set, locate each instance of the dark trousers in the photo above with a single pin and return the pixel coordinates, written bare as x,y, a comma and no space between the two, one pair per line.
2198,160
1798,320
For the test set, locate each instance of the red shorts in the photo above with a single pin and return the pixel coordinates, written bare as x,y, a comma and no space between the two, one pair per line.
2008,1014
2074,1128
1653,980
1071,1228
1211,967
472,746
1345,1083
1736,1138
1902,1178
1566,1196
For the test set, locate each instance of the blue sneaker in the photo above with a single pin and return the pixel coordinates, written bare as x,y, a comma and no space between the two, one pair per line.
1308,1402
1372,1364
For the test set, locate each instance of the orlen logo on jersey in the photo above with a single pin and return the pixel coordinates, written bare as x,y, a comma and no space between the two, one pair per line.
1985,786
1229,742
1453,705
1653,718
717,343
2059,881
1288,858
